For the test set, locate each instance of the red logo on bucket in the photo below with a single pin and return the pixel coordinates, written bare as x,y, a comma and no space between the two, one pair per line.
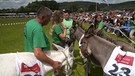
35,68
124,59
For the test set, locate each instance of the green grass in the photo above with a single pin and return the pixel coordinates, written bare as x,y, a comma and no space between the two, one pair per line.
12,40
11,36
12,20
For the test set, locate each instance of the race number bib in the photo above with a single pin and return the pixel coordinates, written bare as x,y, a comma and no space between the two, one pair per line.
120,63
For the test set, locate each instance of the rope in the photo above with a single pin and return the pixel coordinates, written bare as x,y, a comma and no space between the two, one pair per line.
66,59
118,28
126,36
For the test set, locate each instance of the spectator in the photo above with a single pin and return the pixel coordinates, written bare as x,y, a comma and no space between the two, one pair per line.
58,30
68,22
126,26
109,24
99,25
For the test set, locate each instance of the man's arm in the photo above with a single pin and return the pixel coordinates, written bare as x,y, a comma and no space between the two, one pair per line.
43,58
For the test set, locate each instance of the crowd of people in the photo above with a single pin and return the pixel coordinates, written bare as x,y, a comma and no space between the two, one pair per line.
112,22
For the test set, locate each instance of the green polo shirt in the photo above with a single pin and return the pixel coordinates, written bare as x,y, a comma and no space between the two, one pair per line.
68,24
101,25
132,26
55,35
34,37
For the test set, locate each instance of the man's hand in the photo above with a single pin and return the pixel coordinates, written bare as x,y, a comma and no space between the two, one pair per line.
56,65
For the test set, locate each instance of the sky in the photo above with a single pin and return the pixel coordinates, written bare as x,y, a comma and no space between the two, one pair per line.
5,4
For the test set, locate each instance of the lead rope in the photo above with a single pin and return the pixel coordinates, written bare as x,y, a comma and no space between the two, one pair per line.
118,28
66,59
126,36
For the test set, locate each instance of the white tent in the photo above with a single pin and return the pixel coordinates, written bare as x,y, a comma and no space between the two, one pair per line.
98,1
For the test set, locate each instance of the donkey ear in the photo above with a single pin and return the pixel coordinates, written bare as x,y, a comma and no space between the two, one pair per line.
89,31
71,48
58,47
86,34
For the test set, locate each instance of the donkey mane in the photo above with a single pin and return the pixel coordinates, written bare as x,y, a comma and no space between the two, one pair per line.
103,40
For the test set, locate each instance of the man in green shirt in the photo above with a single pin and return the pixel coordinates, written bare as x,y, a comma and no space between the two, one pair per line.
68,22
35,40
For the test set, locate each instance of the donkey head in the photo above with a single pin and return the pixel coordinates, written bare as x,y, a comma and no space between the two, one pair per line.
85,41
73,30
85,50
90,31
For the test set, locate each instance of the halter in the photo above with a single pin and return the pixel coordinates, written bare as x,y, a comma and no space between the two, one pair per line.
66,59
85,50
69,67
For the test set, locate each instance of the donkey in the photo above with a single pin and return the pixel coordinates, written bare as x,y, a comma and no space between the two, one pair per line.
101,49
9,64
76,32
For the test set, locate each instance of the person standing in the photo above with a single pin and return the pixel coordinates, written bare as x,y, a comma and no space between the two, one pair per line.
68,22
58,30
35,39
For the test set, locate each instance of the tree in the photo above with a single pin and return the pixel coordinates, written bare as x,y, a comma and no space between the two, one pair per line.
91,7
73,7
21,10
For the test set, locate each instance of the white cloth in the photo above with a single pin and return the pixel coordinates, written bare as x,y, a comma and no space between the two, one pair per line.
120,63
34,67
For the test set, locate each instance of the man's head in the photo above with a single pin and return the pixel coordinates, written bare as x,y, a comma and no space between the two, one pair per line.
44,14
125,18
66,15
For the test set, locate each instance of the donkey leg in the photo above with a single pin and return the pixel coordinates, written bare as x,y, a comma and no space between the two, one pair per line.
87,68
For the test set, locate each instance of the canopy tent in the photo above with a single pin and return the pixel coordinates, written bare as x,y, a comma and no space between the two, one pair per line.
98,1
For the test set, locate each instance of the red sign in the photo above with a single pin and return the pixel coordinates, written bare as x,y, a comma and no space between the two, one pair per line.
35,68
124,59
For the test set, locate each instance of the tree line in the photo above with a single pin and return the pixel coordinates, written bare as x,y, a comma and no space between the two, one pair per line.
77,6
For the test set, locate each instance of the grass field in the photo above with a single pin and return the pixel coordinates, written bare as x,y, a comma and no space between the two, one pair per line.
11,40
